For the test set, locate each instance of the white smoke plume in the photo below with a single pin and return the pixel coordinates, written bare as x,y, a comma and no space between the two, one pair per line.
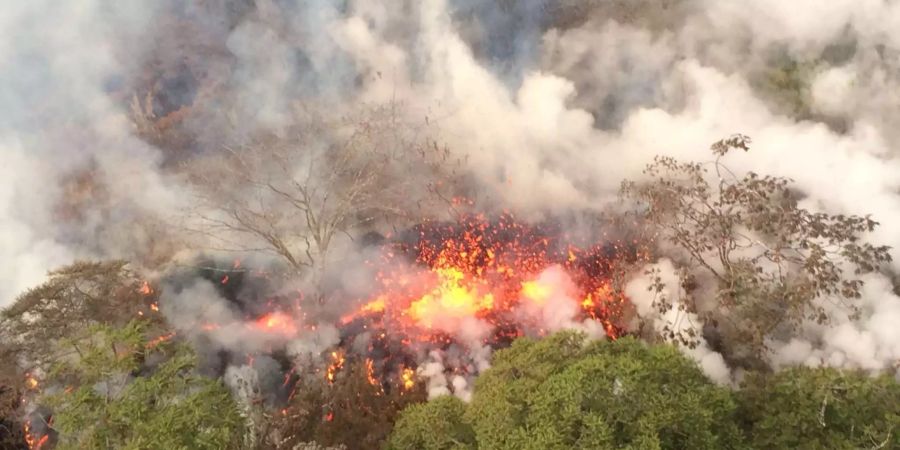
76,181
550,104
676,318
552,305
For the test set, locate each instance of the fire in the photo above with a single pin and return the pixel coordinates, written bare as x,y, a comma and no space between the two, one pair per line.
408,378
373,307
159,340
277,322
482,283
535,291
370,373
482,270
34,442
145,288
473,285
454,297
31,382
337,358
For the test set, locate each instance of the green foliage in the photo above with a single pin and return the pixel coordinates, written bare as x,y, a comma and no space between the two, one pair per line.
110,403
770,257
561,393
71,300
39,329
806,408
438,425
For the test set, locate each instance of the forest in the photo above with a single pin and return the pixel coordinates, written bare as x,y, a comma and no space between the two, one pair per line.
449,224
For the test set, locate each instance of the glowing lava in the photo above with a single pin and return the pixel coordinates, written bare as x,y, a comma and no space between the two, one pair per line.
460,289
454,297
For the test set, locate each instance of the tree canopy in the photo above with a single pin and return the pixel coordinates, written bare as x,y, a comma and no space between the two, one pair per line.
821,408
771,259
115,399
562,392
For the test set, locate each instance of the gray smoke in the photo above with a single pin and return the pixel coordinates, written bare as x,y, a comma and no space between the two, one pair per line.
550,104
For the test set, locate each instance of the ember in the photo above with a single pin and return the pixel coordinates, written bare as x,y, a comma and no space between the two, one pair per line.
31,382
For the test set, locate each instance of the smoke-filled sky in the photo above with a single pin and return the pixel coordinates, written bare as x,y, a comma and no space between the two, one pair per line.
550,103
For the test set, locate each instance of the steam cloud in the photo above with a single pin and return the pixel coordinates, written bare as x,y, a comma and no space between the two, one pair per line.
551,103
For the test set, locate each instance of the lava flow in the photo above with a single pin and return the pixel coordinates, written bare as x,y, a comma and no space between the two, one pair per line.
441,298
477,285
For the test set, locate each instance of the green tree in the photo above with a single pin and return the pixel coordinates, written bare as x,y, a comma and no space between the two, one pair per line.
562,393
805,408
115,399
34,328
438,425
770,259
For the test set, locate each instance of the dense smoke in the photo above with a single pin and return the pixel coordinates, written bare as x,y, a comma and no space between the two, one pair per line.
546,105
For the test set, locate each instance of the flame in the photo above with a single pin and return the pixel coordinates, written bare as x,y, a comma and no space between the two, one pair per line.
407,375
159,340
373,307
277,322
602,304
31,382
337,358
472,282
154,307
145,288
536,291
33,442
370,373
454,297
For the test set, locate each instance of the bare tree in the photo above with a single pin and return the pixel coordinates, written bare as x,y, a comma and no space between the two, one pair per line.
291,195
773,261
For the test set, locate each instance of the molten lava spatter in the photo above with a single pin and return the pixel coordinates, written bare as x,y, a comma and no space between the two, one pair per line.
485,271
446,295
476,285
